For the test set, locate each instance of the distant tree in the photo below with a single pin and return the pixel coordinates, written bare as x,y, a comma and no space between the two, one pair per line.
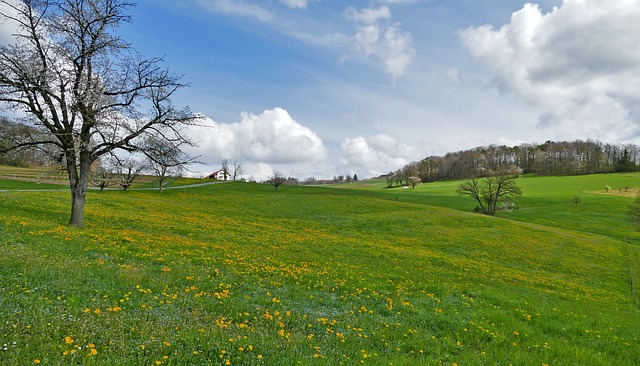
624,162
576,200
277,179
165,158
355,177
340,178
409,170
127,170
390,179
86,90
237,170
413,181
507,206
398,177
101,178
225,169
491,190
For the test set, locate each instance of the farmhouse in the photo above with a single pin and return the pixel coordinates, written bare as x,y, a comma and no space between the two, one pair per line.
219,175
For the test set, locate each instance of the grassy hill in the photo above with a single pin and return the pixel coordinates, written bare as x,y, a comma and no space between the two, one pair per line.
238,274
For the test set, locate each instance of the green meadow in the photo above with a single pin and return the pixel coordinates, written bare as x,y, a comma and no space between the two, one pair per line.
237,274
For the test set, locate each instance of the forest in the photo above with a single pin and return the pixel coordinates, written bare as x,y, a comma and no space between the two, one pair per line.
551,158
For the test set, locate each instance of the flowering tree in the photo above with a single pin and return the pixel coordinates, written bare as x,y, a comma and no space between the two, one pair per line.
85,89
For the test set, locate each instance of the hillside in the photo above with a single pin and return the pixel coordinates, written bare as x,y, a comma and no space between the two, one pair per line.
238,274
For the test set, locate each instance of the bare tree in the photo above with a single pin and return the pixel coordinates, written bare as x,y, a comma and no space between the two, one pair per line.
489,191
225,169
101,178
165,158
83,86
237,170
127,170
276,180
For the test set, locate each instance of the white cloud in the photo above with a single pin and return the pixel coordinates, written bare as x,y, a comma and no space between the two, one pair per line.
272,137
295,4
579,63
384,42
238,8
368,16
258,172
398,51
374,156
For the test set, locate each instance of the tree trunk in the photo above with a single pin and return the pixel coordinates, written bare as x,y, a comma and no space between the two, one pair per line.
78,181
77,207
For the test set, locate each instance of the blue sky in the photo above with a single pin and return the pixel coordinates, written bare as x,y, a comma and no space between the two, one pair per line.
326,87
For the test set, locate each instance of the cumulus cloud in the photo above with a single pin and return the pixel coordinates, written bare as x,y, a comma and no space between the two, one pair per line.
376,155
272,137
579,63
296,4
378,39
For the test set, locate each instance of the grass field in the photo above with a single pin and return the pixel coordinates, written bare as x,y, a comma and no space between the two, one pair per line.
237,274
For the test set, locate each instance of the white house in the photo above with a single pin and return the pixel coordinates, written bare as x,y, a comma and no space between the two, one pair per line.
219,175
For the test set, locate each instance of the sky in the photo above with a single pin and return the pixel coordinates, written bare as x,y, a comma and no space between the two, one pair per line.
320,88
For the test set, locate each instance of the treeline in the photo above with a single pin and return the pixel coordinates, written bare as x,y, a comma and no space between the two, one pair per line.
551,158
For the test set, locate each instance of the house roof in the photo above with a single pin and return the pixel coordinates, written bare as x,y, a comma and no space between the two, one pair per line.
213,174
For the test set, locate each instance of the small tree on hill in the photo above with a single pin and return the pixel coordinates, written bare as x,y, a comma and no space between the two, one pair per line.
277,180
225,169
237,170
576,200
489,191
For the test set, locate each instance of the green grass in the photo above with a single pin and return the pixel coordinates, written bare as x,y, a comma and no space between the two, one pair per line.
239,274
547,201
19,185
